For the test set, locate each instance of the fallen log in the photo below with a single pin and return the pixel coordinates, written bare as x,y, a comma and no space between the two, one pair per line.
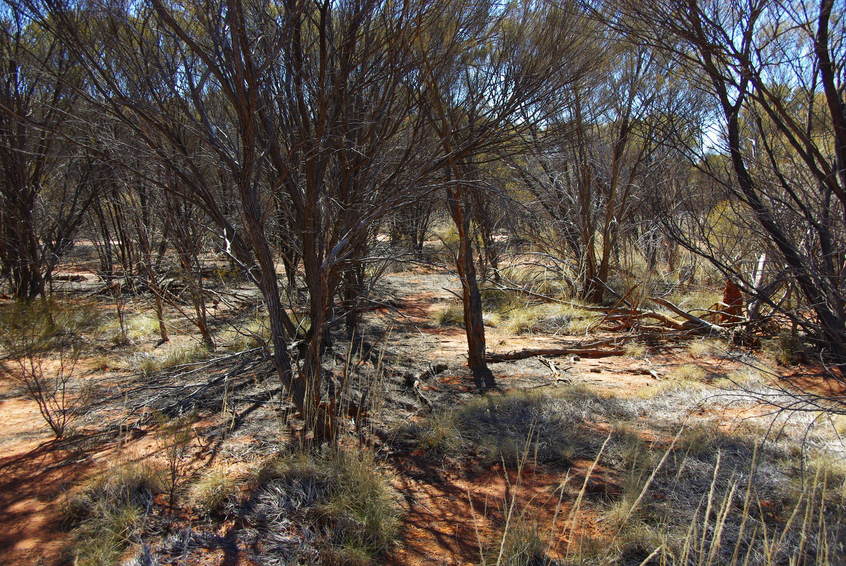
529,353
627,317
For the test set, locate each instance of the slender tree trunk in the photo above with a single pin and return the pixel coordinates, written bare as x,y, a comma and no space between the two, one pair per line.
473,323
150,274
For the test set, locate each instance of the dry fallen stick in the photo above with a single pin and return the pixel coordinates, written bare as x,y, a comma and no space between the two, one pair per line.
697,322
623,315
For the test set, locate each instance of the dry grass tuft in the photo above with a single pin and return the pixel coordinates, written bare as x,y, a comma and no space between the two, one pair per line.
689,372
636,350
705,347
149,364
105,515
451,314
335,505
215,493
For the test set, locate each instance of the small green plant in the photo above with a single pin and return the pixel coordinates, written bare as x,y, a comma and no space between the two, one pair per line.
174,440
447,233
535,280
498,300
696,301
744,378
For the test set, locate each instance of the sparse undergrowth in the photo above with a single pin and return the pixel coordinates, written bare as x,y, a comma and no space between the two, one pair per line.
698,495
708,496
335,507
106,514
332,507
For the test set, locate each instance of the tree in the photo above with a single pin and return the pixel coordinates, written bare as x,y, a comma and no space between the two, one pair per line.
487,77
303,106
786,150
44,192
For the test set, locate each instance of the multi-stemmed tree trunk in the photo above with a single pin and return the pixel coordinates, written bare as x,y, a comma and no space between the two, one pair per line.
187,239
42,199
302,104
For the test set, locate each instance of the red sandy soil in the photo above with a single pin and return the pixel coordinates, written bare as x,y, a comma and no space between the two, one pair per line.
454,521
816,380
33,474
444,520
37,471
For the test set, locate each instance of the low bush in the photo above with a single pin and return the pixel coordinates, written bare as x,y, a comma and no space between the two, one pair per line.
42,341
451,314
